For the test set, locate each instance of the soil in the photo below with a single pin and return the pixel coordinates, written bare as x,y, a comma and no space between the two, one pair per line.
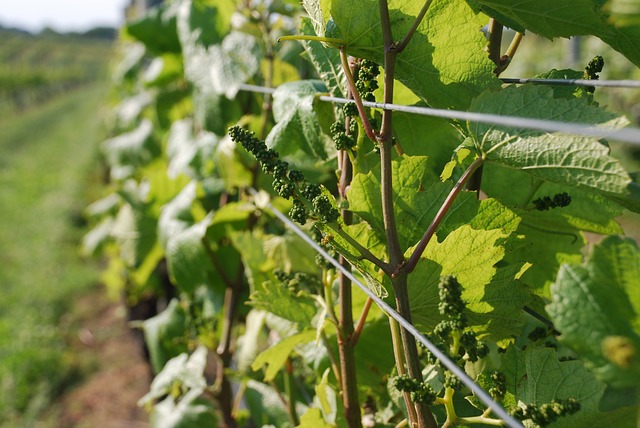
114,373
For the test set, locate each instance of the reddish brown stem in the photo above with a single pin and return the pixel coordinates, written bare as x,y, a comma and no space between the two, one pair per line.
442,212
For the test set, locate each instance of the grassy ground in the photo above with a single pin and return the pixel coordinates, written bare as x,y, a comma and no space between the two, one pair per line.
45,156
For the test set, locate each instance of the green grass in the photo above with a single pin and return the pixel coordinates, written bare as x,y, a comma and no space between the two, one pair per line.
46,156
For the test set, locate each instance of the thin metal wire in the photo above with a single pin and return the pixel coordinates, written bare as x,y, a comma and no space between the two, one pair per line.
574,82
464,378
627,135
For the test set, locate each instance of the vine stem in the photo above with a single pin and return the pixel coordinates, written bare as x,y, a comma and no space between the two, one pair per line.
423,416
361,322
365,254
288,389
398,354
349,382
366,123
410,265
407,38
495,43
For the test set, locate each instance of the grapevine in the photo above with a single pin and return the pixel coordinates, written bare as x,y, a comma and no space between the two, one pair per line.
448,222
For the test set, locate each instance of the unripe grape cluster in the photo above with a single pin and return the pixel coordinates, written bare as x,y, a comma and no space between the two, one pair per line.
288,183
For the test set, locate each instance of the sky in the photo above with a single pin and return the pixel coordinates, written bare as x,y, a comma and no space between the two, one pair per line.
61,15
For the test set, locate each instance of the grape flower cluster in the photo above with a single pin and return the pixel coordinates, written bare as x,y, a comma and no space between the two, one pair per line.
546,414
308,200
421,392
559,200
366,83
452,333
591,71
296,281
342,140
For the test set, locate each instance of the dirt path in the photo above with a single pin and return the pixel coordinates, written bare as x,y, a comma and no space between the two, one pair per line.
118,374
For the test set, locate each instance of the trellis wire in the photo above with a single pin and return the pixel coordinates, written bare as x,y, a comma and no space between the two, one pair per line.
573,82
628,135
464,378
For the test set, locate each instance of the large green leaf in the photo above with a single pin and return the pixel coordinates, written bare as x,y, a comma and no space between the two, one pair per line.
550,18
300,119
234,62
265,406
177,215
276,356
418,194
281,301
537,376
188,263
204,22
565,159
326,61
494,296
426,136
129,150
187,153
190,412
164,335
596,307
546,251
157,29
135,233
185,371
588,211
445,63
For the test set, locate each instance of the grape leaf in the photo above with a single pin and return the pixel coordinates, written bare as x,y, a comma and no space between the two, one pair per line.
536,376
300,119
588,211
129,150
135,234
162,334
234,62
190,412
186,370
204,22
492,293
445,63
550,18
265,407
187,261
564,159
281,301
157,29
276,356
546,251
426,136
418,194
596,308
177,215
326,61
313,419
